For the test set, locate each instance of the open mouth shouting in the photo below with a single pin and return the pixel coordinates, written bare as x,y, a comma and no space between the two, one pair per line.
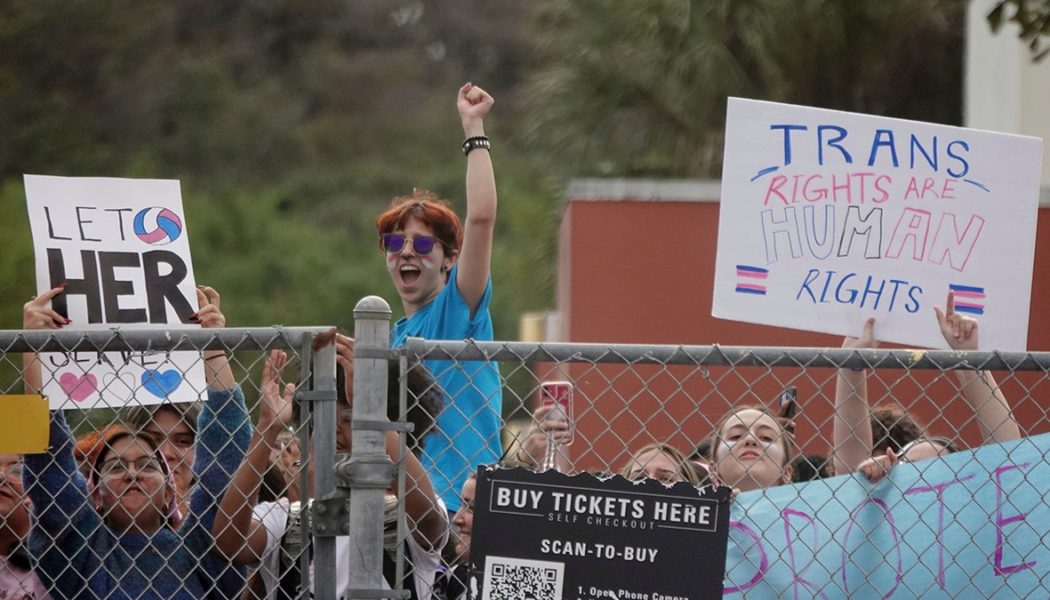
409,274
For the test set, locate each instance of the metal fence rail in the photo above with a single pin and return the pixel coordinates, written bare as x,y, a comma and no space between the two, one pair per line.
630,395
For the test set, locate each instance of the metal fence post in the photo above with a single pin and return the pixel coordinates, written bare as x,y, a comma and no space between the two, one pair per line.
369,470
324,415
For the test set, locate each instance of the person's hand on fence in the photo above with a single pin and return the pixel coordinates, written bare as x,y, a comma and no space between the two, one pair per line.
275,408
344,357
878,467
239,536
38,314
541,432
960,331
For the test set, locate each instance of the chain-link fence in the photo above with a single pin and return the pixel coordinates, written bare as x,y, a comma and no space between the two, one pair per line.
100,530
131,496
973,525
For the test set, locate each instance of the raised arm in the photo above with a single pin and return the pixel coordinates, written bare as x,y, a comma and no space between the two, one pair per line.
224,429
978,388
217,372
426,518
38,314
474,260
55,486
852,437
238,536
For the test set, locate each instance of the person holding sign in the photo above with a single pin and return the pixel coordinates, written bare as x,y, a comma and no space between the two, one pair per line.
112,534
174,425
440,269
853,435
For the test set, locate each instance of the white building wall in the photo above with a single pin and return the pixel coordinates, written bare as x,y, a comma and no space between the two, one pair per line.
1004,90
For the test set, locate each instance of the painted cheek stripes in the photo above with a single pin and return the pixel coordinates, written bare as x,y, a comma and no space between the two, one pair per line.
771,449
428,261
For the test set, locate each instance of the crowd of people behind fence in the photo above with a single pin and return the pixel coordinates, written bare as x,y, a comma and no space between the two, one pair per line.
187,501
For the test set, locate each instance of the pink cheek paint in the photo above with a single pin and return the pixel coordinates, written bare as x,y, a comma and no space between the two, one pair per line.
428,262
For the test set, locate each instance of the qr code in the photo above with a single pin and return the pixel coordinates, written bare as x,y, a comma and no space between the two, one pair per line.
520,579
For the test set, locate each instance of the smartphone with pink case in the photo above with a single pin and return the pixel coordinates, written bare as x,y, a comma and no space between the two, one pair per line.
559,394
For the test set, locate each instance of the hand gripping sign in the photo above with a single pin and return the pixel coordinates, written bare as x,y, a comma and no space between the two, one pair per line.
120,247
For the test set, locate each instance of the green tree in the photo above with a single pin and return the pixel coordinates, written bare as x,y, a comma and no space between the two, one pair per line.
1033,19
639,88
290,125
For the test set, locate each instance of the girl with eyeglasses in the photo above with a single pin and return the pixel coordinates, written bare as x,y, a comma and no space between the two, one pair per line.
174,427
440,269
112,535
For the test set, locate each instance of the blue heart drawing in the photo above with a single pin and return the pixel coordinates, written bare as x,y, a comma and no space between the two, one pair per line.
161,384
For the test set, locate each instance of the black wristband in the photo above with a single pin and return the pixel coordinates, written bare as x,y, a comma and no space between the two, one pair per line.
473,143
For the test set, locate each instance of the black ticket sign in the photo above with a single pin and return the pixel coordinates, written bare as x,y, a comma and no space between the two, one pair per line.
549,536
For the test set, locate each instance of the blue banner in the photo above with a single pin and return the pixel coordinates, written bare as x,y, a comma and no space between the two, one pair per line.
974,524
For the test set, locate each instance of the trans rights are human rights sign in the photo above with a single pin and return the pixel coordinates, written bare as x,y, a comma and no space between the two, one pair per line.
829,218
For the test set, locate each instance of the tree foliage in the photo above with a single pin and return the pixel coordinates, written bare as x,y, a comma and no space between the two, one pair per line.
1032,18
291,123
642,90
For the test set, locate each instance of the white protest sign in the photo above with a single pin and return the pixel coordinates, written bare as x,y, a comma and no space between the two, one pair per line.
120,247
828,218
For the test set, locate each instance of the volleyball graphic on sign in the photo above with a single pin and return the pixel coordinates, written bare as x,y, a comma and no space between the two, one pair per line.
157,226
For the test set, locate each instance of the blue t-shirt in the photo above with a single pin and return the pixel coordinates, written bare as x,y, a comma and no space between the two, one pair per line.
467,432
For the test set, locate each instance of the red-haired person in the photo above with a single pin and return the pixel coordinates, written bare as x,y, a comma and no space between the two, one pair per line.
440,269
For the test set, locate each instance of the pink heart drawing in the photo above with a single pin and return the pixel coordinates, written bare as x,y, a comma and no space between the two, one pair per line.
78,388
